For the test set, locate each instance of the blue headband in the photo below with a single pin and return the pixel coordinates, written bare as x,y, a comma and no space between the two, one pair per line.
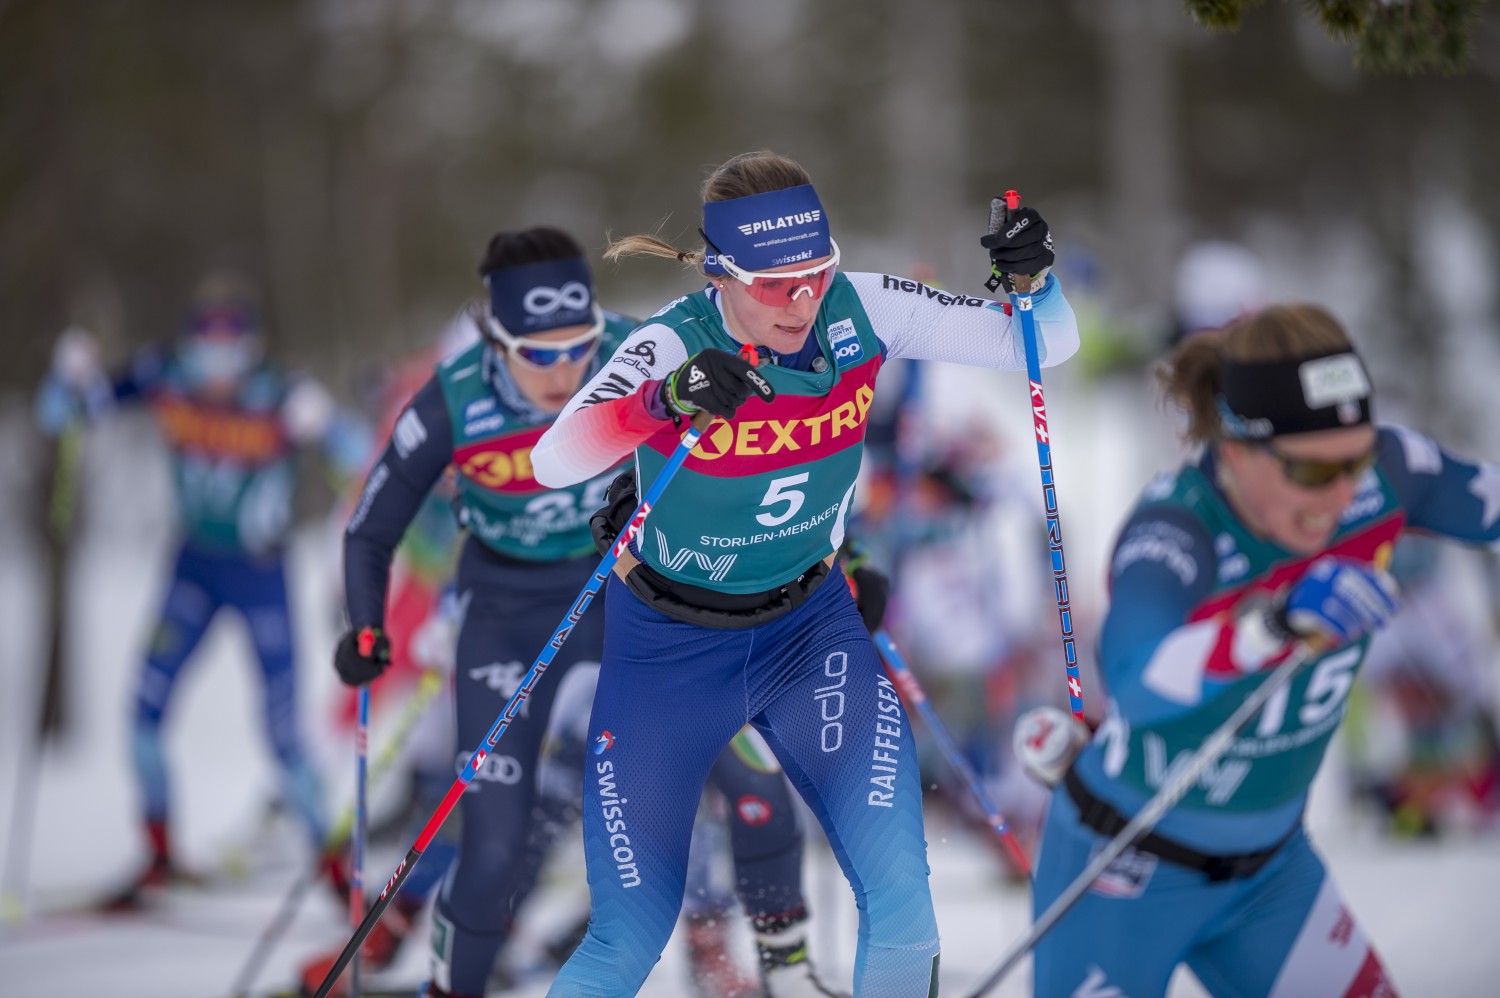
541,296
767,230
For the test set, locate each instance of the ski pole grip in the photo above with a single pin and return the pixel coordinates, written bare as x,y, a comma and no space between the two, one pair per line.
1001,209
997,214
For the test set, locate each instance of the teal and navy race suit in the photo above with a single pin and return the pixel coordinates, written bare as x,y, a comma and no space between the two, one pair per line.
1182,572
527,555
234,471
762,500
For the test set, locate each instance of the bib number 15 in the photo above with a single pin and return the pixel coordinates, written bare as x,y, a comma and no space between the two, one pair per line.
780,491
1326,690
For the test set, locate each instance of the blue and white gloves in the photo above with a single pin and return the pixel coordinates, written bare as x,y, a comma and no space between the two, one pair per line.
1338,601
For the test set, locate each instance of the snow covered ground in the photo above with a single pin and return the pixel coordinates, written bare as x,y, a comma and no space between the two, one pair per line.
1433,910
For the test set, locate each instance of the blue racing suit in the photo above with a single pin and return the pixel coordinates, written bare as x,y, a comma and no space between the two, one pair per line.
719,617
1228,884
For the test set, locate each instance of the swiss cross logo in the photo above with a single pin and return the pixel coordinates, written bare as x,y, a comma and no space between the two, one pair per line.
1044,728
1075,688
753,810
1343,928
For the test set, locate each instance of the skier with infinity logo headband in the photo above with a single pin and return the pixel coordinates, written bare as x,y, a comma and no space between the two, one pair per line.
529,549
720,615
1275,534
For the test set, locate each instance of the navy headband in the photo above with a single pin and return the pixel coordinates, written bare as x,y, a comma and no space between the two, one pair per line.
766,230
1272,398
537,297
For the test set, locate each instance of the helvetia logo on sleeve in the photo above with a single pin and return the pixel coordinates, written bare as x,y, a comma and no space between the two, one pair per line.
844,340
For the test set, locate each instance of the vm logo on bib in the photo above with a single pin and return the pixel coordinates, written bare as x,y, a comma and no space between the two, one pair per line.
844,340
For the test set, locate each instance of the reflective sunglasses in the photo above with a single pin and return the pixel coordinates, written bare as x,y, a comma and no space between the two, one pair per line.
1315,474
543,354
219,358
781,288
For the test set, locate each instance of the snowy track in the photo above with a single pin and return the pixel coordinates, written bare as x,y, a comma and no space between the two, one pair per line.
1433,910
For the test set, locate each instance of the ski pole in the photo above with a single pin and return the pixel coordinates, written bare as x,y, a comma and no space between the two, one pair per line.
431,683
911,691
512,708
361,822
1020,302
1212,749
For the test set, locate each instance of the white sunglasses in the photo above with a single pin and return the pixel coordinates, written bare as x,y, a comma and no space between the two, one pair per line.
543,354
780,287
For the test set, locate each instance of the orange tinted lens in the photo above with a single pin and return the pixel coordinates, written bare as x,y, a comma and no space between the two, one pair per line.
785,290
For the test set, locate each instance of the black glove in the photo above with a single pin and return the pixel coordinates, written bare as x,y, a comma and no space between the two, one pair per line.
362,655
620,500
871,588
1022,247
716,380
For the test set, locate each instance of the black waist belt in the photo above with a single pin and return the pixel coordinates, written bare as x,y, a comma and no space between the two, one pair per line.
711,608
1102,817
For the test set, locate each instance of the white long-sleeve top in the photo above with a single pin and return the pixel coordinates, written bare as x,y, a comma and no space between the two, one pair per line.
618,409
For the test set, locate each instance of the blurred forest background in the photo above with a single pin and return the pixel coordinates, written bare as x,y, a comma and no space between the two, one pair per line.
353,156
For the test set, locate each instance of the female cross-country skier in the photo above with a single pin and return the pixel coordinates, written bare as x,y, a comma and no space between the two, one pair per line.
528,551
1276,534
720,615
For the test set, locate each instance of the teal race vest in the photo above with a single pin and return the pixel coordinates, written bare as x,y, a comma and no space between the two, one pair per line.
764,496
1276,755
500,500
231,463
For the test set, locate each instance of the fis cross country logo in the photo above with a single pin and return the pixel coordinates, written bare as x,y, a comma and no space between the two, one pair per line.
542,300
844,340
605,741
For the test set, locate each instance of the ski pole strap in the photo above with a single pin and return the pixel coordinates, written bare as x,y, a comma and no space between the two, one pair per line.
1101,816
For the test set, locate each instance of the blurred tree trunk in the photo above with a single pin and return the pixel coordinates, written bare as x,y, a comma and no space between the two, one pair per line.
1142,154
925,141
